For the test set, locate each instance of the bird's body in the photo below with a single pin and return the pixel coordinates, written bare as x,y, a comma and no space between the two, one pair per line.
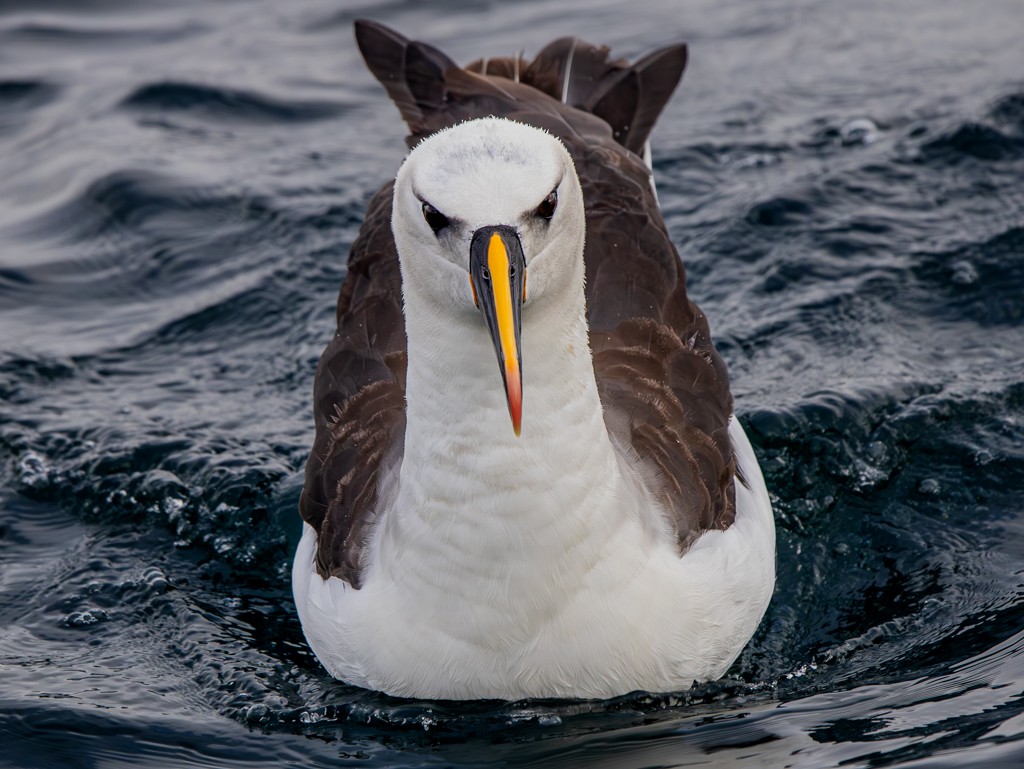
549,600
624,540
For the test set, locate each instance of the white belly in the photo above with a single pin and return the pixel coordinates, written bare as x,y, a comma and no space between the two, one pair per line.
622,616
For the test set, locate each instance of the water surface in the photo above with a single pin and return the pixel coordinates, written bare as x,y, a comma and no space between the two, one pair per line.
179,187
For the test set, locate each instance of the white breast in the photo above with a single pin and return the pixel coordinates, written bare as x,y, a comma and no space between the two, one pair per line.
590,605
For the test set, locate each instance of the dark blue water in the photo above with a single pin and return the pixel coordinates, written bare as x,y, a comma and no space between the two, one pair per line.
179,186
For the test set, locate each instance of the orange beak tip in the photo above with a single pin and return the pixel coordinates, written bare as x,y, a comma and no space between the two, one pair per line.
516,412
515,400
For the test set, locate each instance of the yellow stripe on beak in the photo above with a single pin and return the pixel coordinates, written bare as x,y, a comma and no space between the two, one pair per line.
498,266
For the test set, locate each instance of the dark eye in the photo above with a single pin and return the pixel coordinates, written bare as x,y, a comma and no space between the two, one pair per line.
547,207
435,218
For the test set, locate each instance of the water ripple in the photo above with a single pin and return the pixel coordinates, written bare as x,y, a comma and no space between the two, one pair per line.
18,98
225,104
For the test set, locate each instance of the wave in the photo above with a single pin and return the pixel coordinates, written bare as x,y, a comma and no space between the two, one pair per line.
979,283
20,98
226,104
15,94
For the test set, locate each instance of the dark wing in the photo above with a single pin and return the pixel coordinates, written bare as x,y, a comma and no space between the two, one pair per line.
358,400
433,93
664,387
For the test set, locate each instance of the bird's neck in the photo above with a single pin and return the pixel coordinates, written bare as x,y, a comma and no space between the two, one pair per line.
464,472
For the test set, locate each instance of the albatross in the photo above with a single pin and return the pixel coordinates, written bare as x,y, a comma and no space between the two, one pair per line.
587,517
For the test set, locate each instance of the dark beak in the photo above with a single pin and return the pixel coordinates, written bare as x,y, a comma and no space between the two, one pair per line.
497,271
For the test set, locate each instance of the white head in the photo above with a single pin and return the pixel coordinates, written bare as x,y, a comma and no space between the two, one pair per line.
489,214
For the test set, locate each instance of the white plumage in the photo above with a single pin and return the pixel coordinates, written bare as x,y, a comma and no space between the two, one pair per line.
537,566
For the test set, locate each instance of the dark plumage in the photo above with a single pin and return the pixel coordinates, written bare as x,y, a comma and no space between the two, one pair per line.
664,388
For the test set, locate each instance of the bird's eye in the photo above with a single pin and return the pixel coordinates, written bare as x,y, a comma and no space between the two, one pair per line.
547,207
435,219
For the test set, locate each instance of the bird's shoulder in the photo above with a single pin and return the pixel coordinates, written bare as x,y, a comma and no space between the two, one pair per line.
358,399
663,385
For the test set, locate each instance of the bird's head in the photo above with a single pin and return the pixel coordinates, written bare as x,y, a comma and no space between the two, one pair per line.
488,218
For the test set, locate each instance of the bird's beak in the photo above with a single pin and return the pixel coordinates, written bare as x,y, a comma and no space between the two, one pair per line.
497,272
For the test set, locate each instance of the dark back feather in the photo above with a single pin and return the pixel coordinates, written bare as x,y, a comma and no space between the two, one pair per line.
664,387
